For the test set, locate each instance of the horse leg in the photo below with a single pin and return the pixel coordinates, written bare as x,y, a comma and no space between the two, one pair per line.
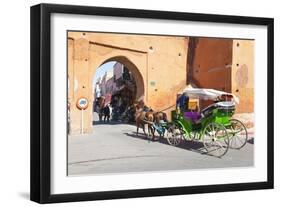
149,131
137,128
152,132
143,128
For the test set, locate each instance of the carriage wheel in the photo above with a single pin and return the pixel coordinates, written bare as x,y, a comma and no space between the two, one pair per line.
174,135
238,135
215,139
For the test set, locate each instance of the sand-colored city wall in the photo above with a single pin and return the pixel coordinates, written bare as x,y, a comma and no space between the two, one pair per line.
224,64
157,62
210,64
162,67
243,74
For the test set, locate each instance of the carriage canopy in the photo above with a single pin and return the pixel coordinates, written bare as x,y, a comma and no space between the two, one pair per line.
208,94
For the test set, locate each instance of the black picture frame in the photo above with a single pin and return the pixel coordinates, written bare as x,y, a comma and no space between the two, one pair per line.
40,184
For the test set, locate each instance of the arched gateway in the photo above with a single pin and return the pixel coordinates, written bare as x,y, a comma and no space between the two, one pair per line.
158,64
135,71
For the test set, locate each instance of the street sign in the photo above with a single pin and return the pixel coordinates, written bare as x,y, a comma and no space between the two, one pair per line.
82,103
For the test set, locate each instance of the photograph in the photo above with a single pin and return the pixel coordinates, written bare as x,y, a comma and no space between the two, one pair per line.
139,103
131,103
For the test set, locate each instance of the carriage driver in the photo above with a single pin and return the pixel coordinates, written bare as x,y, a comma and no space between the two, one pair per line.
182,102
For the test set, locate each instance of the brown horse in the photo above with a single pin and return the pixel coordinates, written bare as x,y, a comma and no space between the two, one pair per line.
144,118
148,117
157,117
160,115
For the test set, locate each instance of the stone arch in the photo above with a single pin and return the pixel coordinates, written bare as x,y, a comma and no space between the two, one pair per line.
134,60
132,68
159,73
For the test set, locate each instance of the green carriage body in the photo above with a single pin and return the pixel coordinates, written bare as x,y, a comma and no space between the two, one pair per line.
213,126
217,115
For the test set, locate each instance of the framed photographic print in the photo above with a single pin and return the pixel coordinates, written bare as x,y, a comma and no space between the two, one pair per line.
132,103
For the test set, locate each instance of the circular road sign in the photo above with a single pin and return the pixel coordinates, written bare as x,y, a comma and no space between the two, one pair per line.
82,103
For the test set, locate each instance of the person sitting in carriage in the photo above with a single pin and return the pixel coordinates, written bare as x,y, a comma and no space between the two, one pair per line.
182,102
187,109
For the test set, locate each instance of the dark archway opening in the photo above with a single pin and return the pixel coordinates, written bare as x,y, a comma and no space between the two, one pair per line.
116,86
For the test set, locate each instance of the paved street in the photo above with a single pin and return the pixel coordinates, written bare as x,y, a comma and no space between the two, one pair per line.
115,148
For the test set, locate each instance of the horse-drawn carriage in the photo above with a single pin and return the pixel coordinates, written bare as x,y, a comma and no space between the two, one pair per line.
214,125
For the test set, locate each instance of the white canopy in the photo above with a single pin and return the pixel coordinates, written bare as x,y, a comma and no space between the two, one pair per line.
207,94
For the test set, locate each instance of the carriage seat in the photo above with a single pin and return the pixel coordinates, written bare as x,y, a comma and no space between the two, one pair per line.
208,110
227,106
192,115
223,105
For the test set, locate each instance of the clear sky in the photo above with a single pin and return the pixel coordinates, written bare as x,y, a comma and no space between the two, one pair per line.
102,69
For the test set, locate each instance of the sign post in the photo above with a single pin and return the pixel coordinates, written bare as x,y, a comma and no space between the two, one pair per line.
82,121
82,104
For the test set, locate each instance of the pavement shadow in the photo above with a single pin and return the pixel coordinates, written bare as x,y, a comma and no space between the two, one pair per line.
139,136
193,146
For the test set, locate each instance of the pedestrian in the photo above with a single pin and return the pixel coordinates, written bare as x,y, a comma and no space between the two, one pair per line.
106,113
